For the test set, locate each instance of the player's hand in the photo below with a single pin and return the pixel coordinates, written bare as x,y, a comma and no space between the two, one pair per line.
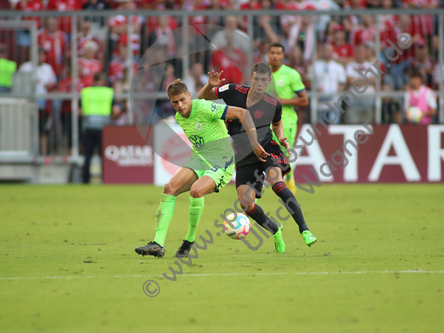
260,153
284,143
214,78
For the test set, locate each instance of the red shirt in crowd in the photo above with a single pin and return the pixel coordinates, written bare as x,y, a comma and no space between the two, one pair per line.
229,62
89,68
153,23
31,6
63,6
55,45
343,51
117,68
423,23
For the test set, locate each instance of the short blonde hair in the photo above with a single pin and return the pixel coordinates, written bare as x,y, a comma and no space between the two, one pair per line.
177,87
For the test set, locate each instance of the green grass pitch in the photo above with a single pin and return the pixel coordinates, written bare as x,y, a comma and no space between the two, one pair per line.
67,263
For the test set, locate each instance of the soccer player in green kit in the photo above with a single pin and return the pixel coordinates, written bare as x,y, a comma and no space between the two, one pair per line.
290,93
210,167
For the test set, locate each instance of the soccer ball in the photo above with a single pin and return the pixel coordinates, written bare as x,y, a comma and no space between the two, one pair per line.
414,114
241,226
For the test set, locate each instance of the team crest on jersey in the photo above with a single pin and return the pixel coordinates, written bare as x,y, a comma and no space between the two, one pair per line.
225,87
197,141
198,126
258,114
280,83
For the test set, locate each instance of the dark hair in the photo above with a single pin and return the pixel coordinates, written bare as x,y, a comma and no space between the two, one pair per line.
415,73
277,45
99,77
177,87
261,68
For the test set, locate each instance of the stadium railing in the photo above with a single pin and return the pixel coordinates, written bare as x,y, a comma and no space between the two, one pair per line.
12,20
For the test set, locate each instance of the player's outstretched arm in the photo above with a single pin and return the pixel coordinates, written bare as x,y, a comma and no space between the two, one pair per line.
214,80
278,129
244,117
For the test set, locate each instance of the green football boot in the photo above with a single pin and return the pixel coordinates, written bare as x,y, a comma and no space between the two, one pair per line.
309,238
279,244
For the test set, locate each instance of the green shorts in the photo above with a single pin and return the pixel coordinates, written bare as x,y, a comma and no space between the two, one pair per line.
290,129
221,176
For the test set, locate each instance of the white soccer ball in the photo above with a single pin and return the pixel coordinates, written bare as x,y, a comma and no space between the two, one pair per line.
414,114
241,226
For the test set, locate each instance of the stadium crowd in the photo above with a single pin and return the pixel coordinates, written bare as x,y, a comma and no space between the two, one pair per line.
346,43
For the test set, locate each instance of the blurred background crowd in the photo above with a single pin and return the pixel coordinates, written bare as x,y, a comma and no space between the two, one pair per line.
326,50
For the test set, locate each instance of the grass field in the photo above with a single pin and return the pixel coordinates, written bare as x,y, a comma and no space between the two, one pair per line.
67,263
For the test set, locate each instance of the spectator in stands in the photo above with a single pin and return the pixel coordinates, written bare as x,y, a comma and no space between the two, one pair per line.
55,44
240,39
423,62
46,80
361,109
422,23
90,65
231,60
96,5
84,36
297,62
195,78
169,42
436,77
352,20
7,70
420,96
119,64
63,6
365,32
119,29
301,31
23,36
342,51
330,78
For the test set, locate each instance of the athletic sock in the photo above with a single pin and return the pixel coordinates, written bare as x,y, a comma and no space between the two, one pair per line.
257,214
291,204
164,215
196,210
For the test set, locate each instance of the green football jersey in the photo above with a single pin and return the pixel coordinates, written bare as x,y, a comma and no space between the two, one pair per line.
288,82
205,128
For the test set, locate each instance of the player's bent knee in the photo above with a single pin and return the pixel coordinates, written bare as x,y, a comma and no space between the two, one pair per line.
170,189
196,192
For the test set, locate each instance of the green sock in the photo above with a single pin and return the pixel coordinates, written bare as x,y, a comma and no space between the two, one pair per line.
196,210
164,215
289,177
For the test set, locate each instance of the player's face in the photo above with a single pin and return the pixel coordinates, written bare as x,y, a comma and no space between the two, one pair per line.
260,82
181,103
276,55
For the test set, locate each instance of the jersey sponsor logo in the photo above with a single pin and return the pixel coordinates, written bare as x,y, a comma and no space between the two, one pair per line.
197,141
225,87
258,113
280,83
198,126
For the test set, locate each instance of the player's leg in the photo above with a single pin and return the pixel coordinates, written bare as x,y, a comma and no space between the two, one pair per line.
209,181
290,129
181,182
274,175
247,186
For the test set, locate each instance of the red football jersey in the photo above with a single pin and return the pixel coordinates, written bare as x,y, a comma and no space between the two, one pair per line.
230,63
63,6
31,6
55,45
89,68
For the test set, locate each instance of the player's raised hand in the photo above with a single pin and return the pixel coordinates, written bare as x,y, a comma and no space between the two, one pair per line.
260,153
214,78
284,143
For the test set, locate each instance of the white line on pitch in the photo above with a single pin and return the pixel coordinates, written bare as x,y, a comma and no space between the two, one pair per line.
211,274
